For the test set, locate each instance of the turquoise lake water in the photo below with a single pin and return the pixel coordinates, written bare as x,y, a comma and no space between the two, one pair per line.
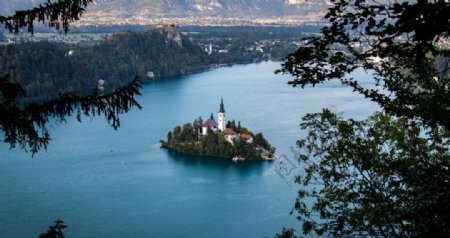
106,183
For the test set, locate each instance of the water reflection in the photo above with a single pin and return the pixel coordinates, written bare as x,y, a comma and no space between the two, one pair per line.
244,169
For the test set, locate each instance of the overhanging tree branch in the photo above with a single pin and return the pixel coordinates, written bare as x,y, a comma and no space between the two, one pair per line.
52,14
26,125
402,51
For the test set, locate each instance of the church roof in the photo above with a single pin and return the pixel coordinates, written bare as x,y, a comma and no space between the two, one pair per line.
229,132
222,109
211,123
246,136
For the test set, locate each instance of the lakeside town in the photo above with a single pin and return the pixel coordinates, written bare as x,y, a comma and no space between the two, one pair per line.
221,41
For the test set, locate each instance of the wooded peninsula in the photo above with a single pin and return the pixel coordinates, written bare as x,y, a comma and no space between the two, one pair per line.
52,67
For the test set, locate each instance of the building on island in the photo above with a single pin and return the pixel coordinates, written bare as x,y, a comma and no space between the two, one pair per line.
246,137
229,134
221,125
211,124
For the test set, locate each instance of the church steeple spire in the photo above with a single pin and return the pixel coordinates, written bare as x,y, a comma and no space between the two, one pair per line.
221,115
222,109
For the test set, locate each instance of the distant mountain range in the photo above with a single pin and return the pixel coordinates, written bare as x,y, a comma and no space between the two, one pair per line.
216,8
151,9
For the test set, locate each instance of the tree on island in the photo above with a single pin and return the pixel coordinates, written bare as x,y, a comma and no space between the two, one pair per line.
25,124
387,176
187,139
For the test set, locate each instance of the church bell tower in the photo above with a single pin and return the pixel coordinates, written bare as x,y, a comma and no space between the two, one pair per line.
221,117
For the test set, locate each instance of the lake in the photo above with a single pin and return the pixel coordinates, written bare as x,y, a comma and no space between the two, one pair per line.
106,183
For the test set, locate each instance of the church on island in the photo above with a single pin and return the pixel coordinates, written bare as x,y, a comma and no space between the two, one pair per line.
229,133
218,139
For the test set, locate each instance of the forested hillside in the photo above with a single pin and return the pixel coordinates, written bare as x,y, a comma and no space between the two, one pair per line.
46,69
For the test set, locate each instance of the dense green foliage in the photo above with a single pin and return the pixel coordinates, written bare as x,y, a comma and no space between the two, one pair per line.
242,42
387,176
400,42
286,233
187,139
24,123
381,177
47,69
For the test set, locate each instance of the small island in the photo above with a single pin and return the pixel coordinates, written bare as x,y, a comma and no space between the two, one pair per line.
218,139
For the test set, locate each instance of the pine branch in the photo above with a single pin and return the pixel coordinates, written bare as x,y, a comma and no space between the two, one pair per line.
26,126
57,14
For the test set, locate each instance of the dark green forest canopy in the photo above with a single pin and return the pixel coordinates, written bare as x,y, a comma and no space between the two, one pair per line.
47,69
25,124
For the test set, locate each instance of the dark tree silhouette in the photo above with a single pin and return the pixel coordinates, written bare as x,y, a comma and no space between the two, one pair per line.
380,177
387,176
55,231
57,14
25,125
404,43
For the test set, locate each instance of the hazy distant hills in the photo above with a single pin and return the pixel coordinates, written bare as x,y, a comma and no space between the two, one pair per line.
190,8
218,8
